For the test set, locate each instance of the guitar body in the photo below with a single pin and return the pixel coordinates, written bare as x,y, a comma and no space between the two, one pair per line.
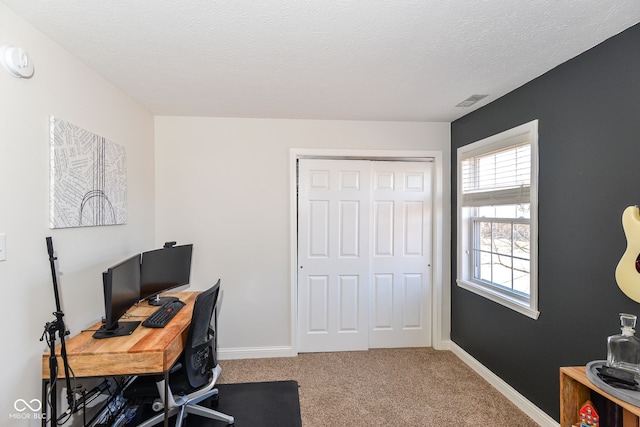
628,269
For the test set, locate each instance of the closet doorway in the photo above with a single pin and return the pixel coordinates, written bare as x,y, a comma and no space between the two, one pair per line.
364,261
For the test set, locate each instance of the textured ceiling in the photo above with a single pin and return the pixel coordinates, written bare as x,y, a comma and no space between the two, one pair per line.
322,59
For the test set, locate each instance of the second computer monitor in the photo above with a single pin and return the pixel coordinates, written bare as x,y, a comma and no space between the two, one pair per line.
121,290
164,269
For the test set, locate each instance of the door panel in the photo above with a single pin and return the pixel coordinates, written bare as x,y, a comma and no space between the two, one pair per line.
383,233
413,228
318,229
333,255
349,304
348,234
382,295
400,263
318,304
412,313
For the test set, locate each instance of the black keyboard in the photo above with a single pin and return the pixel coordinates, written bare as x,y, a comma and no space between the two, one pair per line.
163,315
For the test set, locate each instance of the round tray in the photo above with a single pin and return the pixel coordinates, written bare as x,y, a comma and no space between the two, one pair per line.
629,396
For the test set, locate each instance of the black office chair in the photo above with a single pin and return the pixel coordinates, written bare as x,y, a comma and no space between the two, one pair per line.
193,377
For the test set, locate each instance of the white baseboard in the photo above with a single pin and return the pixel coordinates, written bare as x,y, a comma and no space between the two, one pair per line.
255,353
525,405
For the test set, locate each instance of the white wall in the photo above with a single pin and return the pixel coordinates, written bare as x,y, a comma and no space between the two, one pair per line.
224,184
61,86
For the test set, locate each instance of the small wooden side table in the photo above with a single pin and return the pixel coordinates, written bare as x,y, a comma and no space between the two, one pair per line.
575,389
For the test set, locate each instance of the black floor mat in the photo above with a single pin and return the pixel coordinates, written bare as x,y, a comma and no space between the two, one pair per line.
265,404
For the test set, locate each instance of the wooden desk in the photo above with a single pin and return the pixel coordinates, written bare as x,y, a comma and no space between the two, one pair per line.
575,389
145,351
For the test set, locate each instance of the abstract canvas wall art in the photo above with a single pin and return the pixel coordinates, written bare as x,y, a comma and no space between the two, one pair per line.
88,178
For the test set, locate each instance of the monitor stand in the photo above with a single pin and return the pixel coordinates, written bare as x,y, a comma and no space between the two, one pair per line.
158,300
122,329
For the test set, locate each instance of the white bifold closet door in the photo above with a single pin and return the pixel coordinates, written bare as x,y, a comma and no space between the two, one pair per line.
364,254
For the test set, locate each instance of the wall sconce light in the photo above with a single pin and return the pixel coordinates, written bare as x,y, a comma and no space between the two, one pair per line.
16,61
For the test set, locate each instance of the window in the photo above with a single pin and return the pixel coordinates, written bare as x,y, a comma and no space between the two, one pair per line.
497,218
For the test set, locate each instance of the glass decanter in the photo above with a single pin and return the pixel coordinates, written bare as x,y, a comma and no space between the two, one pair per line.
623,350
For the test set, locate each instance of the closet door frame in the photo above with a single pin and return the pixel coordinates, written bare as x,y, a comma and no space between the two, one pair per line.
440,289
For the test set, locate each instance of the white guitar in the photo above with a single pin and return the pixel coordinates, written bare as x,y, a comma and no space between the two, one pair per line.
628,269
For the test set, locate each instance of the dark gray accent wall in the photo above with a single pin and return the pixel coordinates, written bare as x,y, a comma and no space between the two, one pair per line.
589,145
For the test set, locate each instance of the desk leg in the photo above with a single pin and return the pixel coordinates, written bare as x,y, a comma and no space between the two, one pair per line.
166,398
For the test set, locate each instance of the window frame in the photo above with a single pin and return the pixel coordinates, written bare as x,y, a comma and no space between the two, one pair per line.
527,132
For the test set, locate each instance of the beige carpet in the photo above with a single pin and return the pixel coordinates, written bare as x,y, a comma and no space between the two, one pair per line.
388,387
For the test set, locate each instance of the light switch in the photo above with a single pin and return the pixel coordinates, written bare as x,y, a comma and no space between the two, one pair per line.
3,247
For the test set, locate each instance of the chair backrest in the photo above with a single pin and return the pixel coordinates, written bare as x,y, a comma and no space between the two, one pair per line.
200,347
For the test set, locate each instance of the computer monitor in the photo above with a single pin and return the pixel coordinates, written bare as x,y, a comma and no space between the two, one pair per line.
164,269
121,290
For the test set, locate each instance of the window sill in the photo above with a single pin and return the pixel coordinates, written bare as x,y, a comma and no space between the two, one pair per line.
499,298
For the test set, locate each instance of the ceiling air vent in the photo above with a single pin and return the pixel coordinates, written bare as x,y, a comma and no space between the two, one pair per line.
471,100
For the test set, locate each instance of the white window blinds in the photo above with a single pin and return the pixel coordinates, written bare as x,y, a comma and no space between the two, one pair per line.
497,177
